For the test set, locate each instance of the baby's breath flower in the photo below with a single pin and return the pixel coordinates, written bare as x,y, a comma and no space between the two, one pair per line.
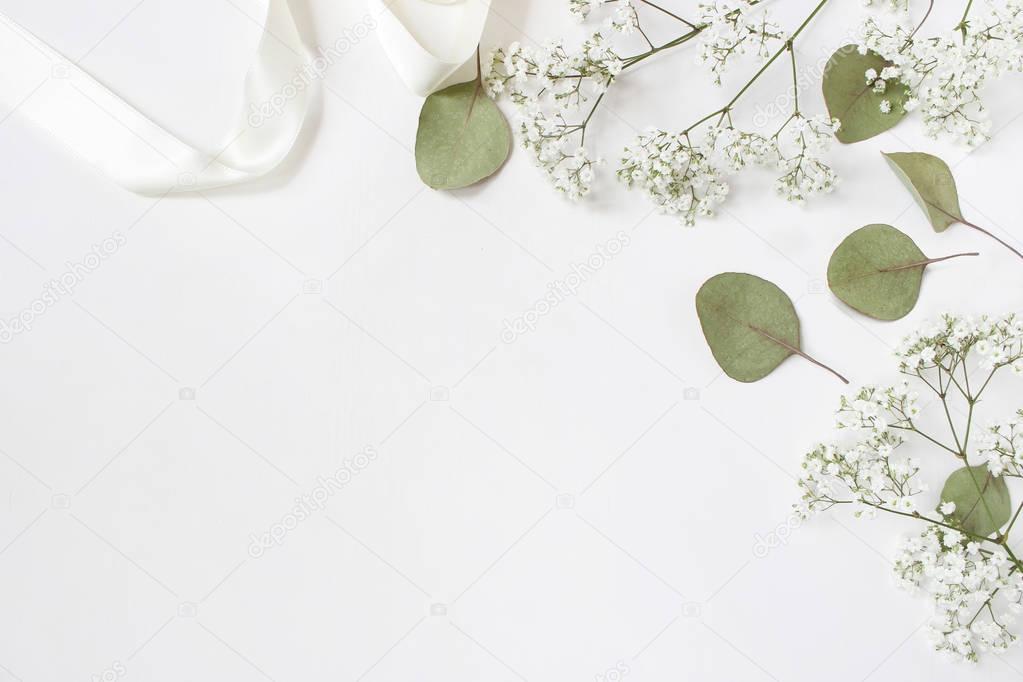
801,142
974,593
548,85
676,175
731,31
946,74
973,582
623,17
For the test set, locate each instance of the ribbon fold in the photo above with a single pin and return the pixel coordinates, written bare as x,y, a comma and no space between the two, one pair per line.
133,150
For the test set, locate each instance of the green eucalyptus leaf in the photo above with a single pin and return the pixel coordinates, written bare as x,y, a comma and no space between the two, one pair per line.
750,325
932,185
981,499
877,270
463,137
852,100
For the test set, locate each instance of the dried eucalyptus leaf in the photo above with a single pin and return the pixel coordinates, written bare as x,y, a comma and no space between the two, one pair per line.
932,185
737,312
750,325
462,138
877,271
852,100
982,500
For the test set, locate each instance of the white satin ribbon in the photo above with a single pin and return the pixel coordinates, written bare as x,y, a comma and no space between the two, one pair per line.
99,126
427,40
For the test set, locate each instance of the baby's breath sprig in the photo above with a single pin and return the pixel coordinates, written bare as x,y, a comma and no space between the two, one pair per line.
947,73
962,561
683,178
557,91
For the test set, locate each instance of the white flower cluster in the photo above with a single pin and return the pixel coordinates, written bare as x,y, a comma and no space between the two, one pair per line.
677,176
801,142
623,18
548,85
686,179
946,74
729,31
996,341
975,592
865,474
1002,447
975,585
878,82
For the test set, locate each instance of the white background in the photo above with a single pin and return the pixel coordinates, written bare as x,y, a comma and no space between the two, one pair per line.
338,306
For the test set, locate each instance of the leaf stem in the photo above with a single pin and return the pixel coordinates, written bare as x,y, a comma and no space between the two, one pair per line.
796,351
982,230
966,222
924,263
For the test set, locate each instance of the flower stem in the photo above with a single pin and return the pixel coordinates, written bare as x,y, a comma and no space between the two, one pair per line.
787,46
795,79
909,40
670,14
962,22
675,42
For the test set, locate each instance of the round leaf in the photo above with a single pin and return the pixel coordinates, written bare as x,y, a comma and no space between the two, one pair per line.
743,318
982,500
853,101
463,137
877,271
932,185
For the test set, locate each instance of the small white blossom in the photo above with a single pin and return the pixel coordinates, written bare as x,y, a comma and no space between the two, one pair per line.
973,592
973,582
623,17
676,175
548,85
801,142
730,31
945,75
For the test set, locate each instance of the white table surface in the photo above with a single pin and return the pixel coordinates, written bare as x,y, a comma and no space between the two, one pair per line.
588,496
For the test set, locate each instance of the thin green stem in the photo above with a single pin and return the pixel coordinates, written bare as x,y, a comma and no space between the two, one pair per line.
670,14
585,123
919,26
962,22
1012,523
629,62
795,79
787,46
927,519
